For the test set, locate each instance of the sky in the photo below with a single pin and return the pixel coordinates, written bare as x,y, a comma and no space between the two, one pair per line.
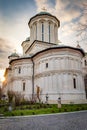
15,14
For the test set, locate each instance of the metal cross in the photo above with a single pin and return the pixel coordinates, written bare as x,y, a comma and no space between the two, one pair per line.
44,9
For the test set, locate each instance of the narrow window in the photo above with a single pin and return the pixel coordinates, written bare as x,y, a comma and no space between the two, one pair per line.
42,31
49,32
23,86
46,65
85,62
36,30
19,70
74,82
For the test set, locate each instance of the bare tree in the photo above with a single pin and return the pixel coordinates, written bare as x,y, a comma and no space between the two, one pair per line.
18,97
82,26
15,97
10,95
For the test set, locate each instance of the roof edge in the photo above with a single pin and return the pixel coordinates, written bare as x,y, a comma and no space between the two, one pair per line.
56,47
44,14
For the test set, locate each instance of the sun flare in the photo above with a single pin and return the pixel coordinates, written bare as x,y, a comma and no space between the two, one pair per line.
2,78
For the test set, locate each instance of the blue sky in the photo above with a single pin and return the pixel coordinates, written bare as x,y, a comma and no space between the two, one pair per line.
9,8
15,14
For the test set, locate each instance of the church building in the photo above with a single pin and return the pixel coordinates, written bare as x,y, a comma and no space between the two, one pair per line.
47,68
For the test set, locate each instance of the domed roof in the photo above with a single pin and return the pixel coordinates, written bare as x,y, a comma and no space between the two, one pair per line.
44,13
28,39
14,55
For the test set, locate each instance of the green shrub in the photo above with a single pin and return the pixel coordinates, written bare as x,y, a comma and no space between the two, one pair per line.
52,111
30,107
82,108
77,109
5,109
59,110
38,107
65,110
12,114
33,113
21,113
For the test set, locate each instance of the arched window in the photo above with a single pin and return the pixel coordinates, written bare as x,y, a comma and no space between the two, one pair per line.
49,31
19,70
35,29
85,62
74,82
42,26
46,65
23,86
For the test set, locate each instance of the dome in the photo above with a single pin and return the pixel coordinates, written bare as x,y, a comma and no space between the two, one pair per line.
28,39
14,55
44,27
44,13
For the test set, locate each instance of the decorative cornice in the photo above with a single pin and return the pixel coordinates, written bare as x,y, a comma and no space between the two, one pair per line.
50,48
44,14
54,72
21,78
60,47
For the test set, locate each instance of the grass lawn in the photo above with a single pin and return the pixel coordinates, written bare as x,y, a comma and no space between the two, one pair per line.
36,109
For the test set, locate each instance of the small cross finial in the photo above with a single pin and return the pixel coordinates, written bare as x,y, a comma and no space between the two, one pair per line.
44,9
15,50
78,44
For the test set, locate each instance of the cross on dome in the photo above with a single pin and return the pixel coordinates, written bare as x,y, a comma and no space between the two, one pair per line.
43,9
15,50
78,46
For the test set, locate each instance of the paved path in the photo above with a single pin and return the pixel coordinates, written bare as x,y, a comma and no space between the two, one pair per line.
70,121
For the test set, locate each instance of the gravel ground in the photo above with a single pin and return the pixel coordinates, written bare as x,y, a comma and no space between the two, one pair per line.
69,121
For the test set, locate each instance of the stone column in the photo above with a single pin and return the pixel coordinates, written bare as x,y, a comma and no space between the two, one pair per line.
30,33
34,27
45,31
38,31
56,35
52,33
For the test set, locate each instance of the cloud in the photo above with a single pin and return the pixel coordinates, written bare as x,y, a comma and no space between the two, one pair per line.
66,11
40,4
15,30
5,49
14,27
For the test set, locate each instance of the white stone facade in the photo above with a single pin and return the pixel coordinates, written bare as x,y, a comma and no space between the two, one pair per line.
58,78
46,67
44,28
84,63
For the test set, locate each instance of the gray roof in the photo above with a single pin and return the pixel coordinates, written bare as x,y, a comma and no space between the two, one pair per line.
53,47
14,55
44,13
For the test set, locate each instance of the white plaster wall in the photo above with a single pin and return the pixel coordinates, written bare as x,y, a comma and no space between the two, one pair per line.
53,29
84,67
18,87
24,76
57,79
